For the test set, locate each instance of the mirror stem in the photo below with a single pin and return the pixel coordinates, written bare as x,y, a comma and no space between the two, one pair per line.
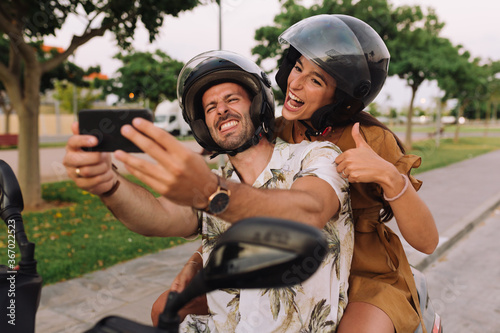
169,318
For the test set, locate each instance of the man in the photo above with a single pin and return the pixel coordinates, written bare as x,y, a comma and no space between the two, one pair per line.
227,100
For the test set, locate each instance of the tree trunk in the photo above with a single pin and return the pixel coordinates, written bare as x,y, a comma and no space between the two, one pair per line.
28,147
7,109
29,156
487,119
494,115
457,128
408,141
7,120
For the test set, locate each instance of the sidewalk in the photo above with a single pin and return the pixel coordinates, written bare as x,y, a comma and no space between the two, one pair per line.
459,196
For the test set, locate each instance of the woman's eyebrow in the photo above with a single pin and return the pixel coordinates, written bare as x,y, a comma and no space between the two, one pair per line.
318,74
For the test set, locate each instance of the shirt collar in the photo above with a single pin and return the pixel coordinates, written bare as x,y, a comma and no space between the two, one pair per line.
276,163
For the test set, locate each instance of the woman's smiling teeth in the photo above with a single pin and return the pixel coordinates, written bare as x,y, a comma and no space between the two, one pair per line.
294,102
228,125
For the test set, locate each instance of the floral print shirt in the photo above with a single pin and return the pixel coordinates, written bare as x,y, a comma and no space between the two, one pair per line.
317,304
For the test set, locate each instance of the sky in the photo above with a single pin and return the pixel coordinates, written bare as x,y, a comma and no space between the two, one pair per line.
473,24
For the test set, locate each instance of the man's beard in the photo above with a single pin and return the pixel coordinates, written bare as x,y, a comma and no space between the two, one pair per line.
233,140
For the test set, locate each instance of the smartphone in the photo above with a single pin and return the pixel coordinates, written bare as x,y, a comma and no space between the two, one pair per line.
105,125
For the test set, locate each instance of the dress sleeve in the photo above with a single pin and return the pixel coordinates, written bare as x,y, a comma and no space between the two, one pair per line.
385,145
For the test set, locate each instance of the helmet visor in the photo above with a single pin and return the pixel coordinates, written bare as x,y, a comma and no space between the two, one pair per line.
329,43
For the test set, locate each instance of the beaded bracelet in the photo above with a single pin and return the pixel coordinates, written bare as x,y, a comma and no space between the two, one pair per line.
407,183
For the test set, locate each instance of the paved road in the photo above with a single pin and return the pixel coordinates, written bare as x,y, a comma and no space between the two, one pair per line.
464,283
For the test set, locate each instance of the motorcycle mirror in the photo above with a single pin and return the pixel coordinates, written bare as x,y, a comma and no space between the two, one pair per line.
257,252
264,253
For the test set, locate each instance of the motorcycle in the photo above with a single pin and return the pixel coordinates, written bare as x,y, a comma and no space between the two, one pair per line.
258,252
21,286
243,260
254,253
432,320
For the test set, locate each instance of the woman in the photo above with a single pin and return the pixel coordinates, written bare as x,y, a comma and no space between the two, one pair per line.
335,66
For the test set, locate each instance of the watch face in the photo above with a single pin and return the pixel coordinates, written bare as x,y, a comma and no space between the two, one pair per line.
219,203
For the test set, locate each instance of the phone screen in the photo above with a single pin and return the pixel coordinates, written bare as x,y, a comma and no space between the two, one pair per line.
105,125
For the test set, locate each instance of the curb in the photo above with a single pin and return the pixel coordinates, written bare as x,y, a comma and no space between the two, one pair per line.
456,233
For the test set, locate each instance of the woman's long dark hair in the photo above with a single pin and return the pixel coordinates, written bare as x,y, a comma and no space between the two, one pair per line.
364,118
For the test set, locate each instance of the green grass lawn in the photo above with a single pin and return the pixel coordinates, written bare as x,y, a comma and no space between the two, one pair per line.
81,237
448,128
84,236
448,152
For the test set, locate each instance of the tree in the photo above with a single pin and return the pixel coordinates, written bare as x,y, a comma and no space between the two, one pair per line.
65,71
416,54
493,97
463,82
77,89
74,98
25,22
146,76
4,99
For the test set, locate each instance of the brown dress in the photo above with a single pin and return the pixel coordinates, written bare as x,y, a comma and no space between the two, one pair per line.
380,272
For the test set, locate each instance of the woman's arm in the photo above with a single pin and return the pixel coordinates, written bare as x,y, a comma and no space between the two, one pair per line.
414,219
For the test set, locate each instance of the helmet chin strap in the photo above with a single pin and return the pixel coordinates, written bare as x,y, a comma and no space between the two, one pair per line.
310,131
319,119
335,114
254,140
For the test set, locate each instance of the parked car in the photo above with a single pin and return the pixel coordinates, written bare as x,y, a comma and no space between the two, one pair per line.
168,115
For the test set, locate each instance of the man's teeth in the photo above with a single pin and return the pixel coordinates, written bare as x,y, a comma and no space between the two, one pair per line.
228,124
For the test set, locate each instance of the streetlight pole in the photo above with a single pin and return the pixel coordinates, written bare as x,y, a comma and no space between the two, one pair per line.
75,102
221,156
438,120
220,24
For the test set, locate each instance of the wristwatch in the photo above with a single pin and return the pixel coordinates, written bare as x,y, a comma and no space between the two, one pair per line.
219,200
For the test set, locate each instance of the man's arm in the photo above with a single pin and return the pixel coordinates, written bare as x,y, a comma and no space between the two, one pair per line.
144,214
414,219
133,205
184,178
310,200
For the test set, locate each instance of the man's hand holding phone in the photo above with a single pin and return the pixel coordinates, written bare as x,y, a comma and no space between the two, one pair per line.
91,171
87,160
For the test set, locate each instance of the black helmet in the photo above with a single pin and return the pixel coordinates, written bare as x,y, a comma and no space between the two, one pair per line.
214,67
346,48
